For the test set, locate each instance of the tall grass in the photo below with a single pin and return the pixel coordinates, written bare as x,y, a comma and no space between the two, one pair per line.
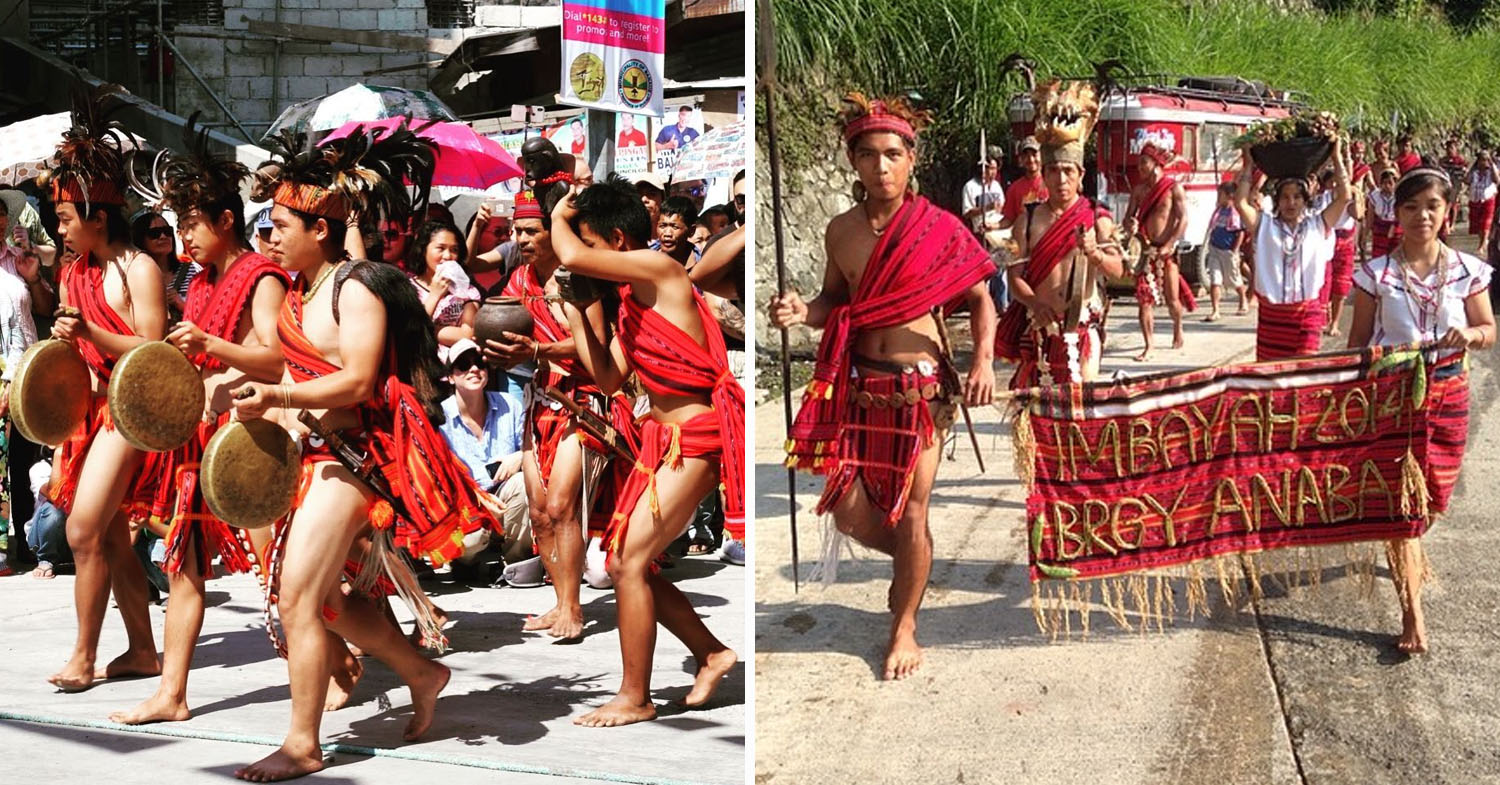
1357,64
1363,65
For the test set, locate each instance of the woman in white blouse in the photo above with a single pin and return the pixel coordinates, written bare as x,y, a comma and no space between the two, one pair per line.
1483,179
1425,291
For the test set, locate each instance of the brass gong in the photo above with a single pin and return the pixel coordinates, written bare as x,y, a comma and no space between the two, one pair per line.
49,396
156,397
249,473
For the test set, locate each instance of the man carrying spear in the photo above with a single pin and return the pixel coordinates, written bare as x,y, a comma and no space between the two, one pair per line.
884,388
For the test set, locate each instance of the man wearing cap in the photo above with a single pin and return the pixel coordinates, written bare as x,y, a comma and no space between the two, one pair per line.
559,460
484,429
1158,212
1028,188
884,390
984,193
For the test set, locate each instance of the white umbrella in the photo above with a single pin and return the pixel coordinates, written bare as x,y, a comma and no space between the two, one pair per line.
27,147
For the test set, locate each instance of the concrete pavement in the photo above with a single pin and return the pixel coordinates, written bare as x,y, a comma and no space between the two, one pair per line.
1303,687
507,713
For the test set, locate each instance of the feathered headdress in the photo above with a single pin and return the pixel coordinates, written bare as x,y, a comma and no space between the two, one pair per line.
365,171
89,167
895,115
190,180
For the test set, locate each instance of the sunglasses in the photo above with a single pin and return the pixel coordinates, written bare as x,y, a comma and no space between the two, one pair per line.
740,200
465,364
158,232
391,234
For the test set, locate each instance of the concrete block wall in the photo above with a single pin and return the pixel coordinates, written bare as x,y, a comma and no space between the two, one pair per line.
240,71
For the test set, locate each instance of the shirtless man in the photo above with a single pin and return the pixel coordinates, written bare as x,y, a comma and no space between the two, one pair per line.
1034,331
554,456
690,442
339,369
1158,212
881,338
229,332
98,478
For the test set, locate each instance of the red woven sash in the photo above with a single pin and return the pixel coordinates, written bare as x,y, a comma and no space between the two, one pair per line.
1055,245
85,285
926,258
216,306
668,361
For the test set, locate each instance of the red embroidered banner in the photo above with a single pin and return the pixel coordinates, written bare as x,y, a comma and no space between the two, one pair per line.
1173,468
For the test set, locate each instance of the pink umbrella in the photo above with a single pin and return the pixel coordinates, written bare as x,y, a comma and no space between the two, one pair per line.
464,158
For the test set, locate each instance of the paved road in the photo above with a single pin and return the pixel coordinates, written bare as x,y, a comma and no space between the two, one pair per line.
1304,687
506,716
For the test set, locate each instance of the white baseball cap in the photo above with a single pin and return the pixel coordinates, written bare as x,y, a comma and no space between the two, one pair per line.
448,354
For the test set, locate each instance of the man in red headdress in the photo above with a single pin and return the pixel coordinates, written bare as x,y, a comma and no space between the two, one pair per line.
1158,212
884,389
116,295
361,357
559,460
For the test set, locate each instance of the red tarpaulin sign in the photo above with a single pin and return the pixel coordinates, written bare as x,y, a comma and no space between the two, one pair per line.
1175,468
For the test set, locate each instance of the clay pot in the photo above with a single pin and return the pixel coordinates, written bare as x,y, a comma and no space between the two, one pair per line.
501,315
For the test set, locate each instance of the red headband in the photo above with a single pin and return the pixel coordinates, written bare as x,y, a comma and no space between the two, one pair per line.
1160,156
527,206
879,120
69,189
311,199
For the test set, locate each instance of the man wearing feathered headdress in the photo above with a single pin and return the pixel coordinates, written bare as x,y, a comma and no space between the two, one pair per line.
229,332
113,298
884,390
1065,248
560,460
361,355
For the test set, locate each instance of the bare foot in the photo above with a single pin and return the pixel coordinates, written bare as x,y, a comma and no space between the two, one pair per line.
283,764
157,708
1144,355
1212,317
542,622
617,712
710,672
905,655
1413,638
1177,341
76,676
346,674
569,626
130,665
1334,331
424,694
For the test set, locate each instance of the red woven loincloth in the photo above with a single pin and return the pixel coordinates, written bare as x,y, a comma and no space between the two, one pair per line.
1055,353
880,443
139,495
661,445
1145,291
193,531
1289,329
549,426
